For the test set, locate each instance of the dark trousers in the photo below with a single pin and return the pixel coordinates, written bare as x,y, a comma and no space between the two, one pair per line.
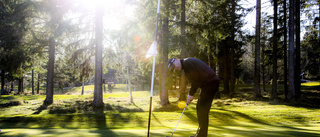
203,106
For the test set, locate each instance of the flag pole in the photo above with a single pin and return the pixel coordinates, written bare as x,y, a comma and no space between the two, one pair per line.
154,46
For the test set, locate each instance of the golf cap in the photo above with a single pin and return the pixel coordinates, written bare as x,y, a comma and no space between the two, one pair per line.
170,63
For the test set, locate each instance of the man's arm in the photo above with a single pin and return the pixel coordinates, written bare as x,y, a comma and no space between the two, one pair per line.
192,92
193,89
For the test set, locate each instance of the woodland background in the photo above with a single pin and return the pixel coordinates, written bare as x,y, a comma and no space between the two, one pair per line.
56,44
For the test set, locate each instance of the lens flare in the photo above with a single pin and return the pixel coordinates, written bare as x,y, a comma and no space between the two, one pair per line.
136,38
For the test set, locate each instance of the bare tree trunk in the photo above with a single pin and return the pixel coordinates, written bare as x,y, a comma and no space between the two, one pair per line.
297,61
82,90
183,79
38,84
164,98
263,66
232,63
32,83
50,81
319,34
20,86
126,86
136,81
226,90
274,94
257,91
2,82
98,94
129,84
291,91
285,58
11,87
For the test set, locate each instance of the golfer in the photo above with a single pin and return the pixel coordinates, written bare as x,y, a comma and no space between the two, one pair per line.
200,75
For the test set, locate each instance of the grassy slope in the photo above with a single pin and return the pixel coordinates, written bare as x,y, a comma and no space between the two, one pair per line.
72,115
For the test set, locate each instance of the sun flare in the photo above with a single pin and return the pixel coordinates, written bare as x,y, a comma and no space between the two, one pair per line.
91,4
116,12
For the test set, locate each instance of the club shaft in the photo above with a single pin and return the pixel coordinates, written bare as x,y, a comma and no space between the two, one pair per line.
179,118
149,116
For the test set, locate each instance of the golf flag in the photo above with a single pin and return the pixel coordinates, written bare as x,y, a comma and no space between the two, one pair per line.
152,50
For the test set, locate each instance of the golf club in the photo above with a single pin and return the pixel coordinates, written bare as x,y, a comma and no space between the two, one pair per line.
179,120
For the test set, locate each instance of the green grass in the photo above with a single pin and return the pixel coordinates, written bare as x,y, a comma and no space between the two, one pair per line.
73,115
309,84
315,85
77,90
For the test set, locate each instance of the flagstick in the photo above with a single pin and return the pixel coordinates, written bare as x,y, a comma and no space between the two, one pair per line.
153,67
152,81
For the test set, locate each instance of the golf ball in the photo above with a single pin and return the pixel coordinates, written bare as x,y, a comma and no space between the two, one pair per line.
181,104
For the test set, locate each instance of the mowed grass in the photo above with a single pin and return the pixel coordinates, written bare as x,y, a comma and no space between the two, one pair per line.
73,115
314,83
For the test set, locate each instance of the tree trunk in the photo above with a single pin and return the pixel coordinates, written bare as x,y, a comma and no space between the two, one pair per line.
20,86
232,63
257,91
164,98
263,66
32,82
38,85
50,80
129,84
11,87
297,57
82,90
183,79
2,82
226,89
126,86
285,49
98,94
291,90
104,85
274,94
319,34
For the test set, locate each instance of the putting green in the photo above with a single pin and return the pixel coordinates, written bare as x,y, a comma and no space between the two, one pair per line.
242,130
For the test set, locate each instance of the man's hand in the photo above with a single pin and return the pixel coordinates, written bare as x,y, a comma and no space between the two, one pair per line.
189,99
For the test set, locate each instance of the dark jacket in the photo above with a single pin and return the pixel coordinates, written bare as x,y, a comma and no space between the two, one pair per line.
198,73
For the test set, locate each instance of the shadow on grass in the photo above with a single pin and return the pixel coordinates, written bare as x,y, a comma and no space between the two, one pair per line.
167,108
7,97
9,104
260,132
228,117
215,131
65,132
191,116
309,98
40,109
77,115
16,135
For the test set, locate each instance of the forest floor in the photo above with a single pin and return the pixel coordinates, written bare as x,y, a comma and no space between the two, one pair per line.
241,116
